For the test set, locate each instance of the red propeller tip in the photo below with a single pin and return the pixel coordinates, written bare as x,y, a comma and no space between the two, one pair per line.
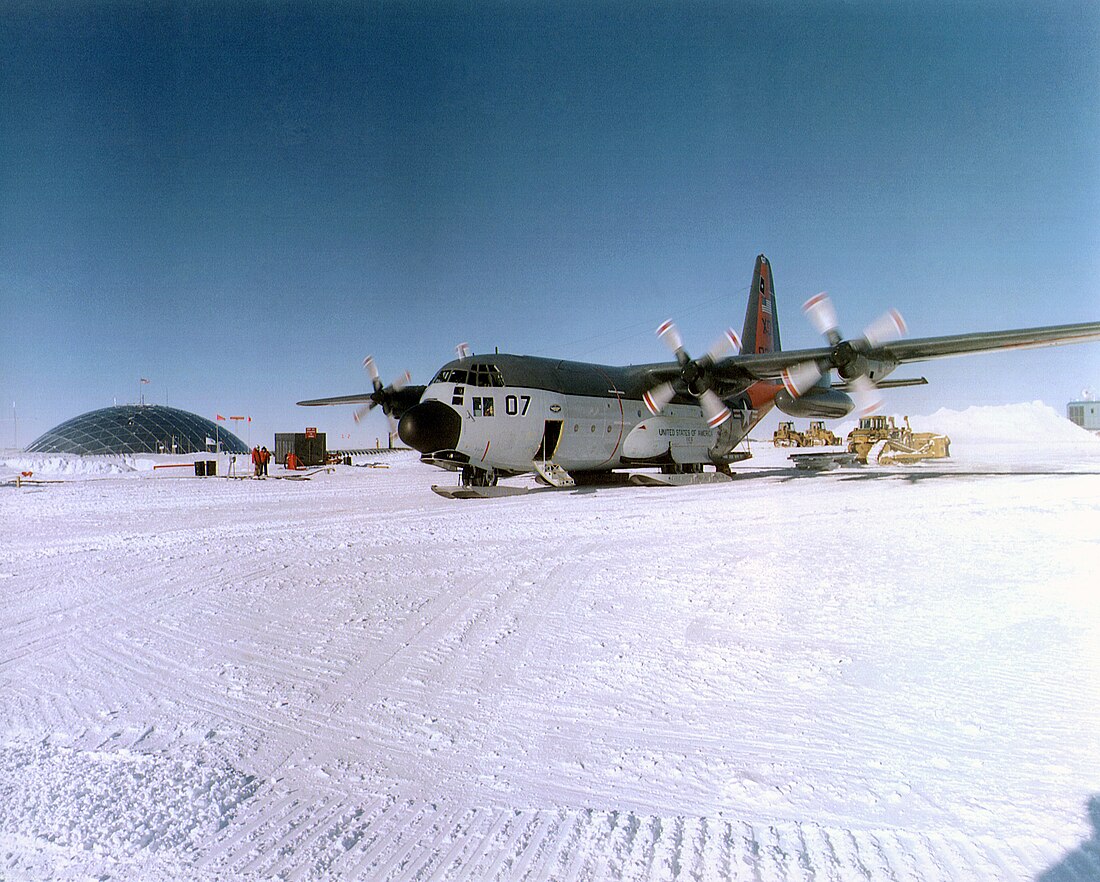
814,301
785,376
715,421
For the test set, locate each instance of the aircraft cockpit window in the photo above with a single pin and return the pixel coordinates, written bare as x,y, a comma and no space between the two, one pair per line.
451,376
486,375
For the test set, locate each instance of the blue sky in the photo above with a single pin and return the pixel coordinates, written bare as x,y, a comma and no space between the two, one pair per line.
239,201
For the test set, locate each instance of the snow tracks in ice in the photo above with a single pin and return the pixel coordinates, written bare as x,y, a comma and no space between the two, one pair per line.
354,679
389,839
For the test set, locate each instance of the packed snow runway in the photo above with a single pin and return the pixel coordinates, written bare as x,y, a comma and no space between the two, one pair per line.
876,673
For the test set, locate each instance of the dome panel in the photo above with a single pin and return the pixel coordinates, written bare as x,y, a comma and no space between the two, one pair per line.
132,428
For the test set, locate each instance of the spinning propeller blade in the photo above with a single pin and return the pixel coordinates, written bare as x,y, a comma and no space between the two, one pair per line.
381,393
372,372
670,335
713,408
865,396
886,329
728,344
798,378
694,375
821,314
848,356
656,399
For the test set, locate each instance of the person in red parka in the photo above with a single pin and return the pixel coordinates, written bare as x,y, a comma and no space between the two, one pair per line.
265,458
256,461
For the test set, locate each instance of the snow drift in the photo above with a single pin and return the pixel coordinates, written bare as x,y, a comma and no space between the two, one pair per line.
1035,422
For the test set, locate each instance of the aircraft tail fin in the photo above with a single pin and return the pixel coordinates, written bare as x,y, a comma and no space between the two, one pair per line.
761,318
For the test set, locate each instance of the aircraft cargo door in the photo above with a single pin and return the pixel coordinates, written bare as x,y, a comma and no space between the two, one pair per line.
551,435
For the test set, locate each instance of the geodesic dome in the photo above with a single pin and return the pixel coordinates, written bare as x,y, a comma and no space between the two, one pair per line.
137,428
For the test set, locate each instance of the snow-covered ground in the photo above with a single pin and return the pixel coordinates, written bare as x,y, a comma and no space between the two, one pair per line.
871,673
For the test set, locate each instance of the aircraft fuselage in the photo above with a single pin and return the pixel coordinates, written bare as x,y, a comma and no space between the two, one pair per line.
504,412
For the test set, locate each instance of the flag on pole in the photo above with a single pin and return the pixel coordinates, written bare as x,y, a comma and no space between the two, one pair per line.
218,416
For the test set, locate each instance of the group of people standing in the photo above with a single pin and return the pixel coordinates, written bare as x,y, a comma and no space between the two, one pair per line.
261,456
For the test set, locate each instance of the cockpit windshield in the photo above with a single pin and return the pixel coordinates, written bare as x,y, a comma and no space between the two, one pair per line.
481,374
450,375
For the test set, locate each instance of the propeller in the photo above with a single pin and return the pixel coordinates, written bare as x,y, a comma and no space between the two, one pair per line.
381,395
848,356
694,374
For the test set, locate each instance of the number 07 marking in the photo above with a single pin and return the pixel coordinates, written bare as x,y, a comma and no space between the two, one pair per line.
511,405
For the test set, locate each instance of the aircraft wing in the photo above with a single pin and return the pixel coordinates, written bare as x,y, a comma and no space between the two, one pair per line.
394,402
768,366
991,341
363,398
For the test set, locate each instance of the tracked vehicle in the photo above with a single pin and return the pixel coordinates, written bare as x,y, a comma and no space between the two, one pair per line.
879,440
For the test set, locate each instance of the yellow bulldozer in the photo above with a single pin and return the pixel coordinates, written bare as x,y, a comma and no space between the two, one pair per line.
815,436
879,440
786,436
818,436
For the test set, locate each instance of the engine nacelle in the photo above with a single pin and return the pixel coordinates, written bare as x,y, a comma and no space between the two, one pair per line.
851,363
878,370
817,403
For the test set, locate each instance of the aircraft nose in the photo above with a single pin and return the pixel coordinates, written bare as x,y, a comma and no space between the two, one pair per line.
430,426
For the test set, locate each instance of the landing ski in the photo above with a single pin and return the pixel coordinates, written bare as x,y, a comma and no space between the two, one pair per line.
822,462
478,492
648,479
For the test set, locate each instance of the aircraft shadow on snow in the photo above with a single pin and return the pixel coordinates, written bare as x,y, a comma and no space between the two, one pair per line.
912,476
1084,861
783,475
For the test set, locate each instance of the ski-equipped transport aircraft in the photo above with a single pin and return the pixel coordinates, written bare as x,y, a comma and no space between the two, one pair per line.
493,416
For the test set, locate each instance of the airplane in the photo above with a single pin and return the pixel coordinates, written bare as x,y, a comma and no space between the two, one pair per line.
496,416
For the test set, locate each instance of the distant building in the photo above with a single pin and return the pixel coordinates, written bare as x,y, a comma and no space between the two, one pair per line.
311,448
1085,414
137,428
